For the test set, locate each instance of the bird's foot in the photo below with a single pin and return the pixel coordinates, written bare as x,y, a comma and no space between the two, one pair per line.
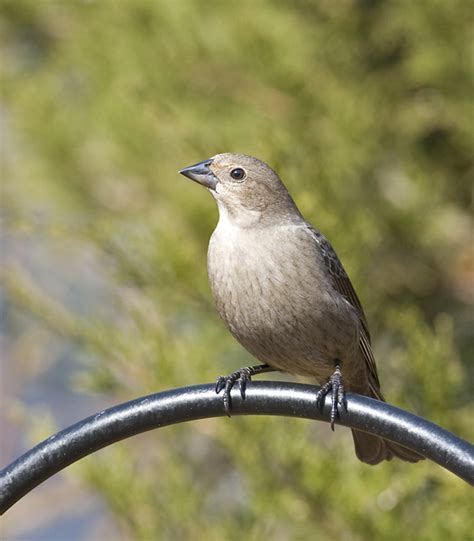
226,383
338,399
243,376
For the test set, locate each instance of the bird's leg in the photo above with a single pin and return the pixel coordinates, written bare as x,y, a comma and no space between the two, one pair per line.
334,384
243,376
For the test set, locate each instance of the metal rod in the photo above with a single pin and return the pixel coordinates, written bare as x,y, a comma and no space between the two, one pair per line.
200,401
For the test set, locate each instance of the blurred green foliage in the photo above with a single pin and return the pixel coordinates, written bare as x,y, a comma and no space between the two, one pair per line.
365,109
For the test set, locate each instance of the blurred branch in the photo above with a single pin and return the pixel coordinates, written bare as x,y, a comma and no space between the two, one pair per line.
200,401
25,293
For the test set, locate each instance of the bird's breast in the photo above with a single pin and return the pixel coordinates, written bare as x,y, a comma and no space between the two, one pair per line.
272,291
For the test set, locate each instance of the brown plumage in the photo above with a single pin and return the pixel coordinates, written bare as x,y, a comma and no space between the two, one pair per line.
281,290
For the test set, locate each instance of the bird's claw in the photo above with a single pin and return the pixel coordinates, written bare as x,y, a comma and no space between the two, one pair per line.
226,383
338,399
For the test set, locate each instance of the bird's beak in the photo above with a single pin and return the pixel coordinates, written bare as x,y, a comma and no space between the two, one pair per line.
200,172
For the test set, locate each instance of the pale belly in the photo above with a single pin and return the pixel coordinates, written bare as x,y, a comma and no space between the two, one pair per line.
283,309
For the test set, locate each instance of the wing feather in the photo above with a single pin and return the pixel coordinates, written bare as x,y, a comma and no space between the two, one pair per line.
343,285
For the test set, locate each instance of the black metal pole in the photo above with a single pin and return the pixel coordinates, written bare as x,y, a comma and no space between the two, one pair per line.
201,401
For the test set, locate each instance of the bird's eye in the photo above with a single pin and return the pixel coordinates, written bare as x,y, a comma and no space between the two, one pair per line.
237,174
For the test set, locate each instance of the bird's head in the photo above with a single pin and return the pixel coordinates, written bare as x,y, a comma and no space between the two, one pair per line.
246,189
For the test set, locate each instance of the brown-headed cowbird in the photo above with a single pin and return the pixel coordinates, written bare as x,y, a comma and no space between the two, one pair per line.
282,292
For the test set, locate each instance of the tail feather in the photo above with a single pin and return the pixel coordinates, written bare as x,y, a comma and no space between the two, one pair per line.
373,449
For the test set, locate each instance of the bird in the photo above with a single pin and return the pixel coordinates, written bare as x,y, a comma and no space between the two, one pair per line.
282,292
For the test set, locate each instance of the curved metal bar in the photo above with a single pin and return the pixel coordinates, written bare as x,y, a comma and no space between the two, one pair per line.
201,401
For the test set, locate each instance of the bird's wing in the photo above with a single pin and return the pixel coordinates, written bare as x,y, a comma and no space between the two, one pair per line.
343,285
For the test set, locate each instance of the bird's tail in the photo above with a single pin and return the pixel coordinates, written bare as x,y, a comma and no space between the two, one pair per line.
372,449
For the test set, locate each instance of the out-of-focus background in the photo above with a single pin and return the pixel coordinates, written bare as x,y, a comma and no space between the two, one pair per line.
365,109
